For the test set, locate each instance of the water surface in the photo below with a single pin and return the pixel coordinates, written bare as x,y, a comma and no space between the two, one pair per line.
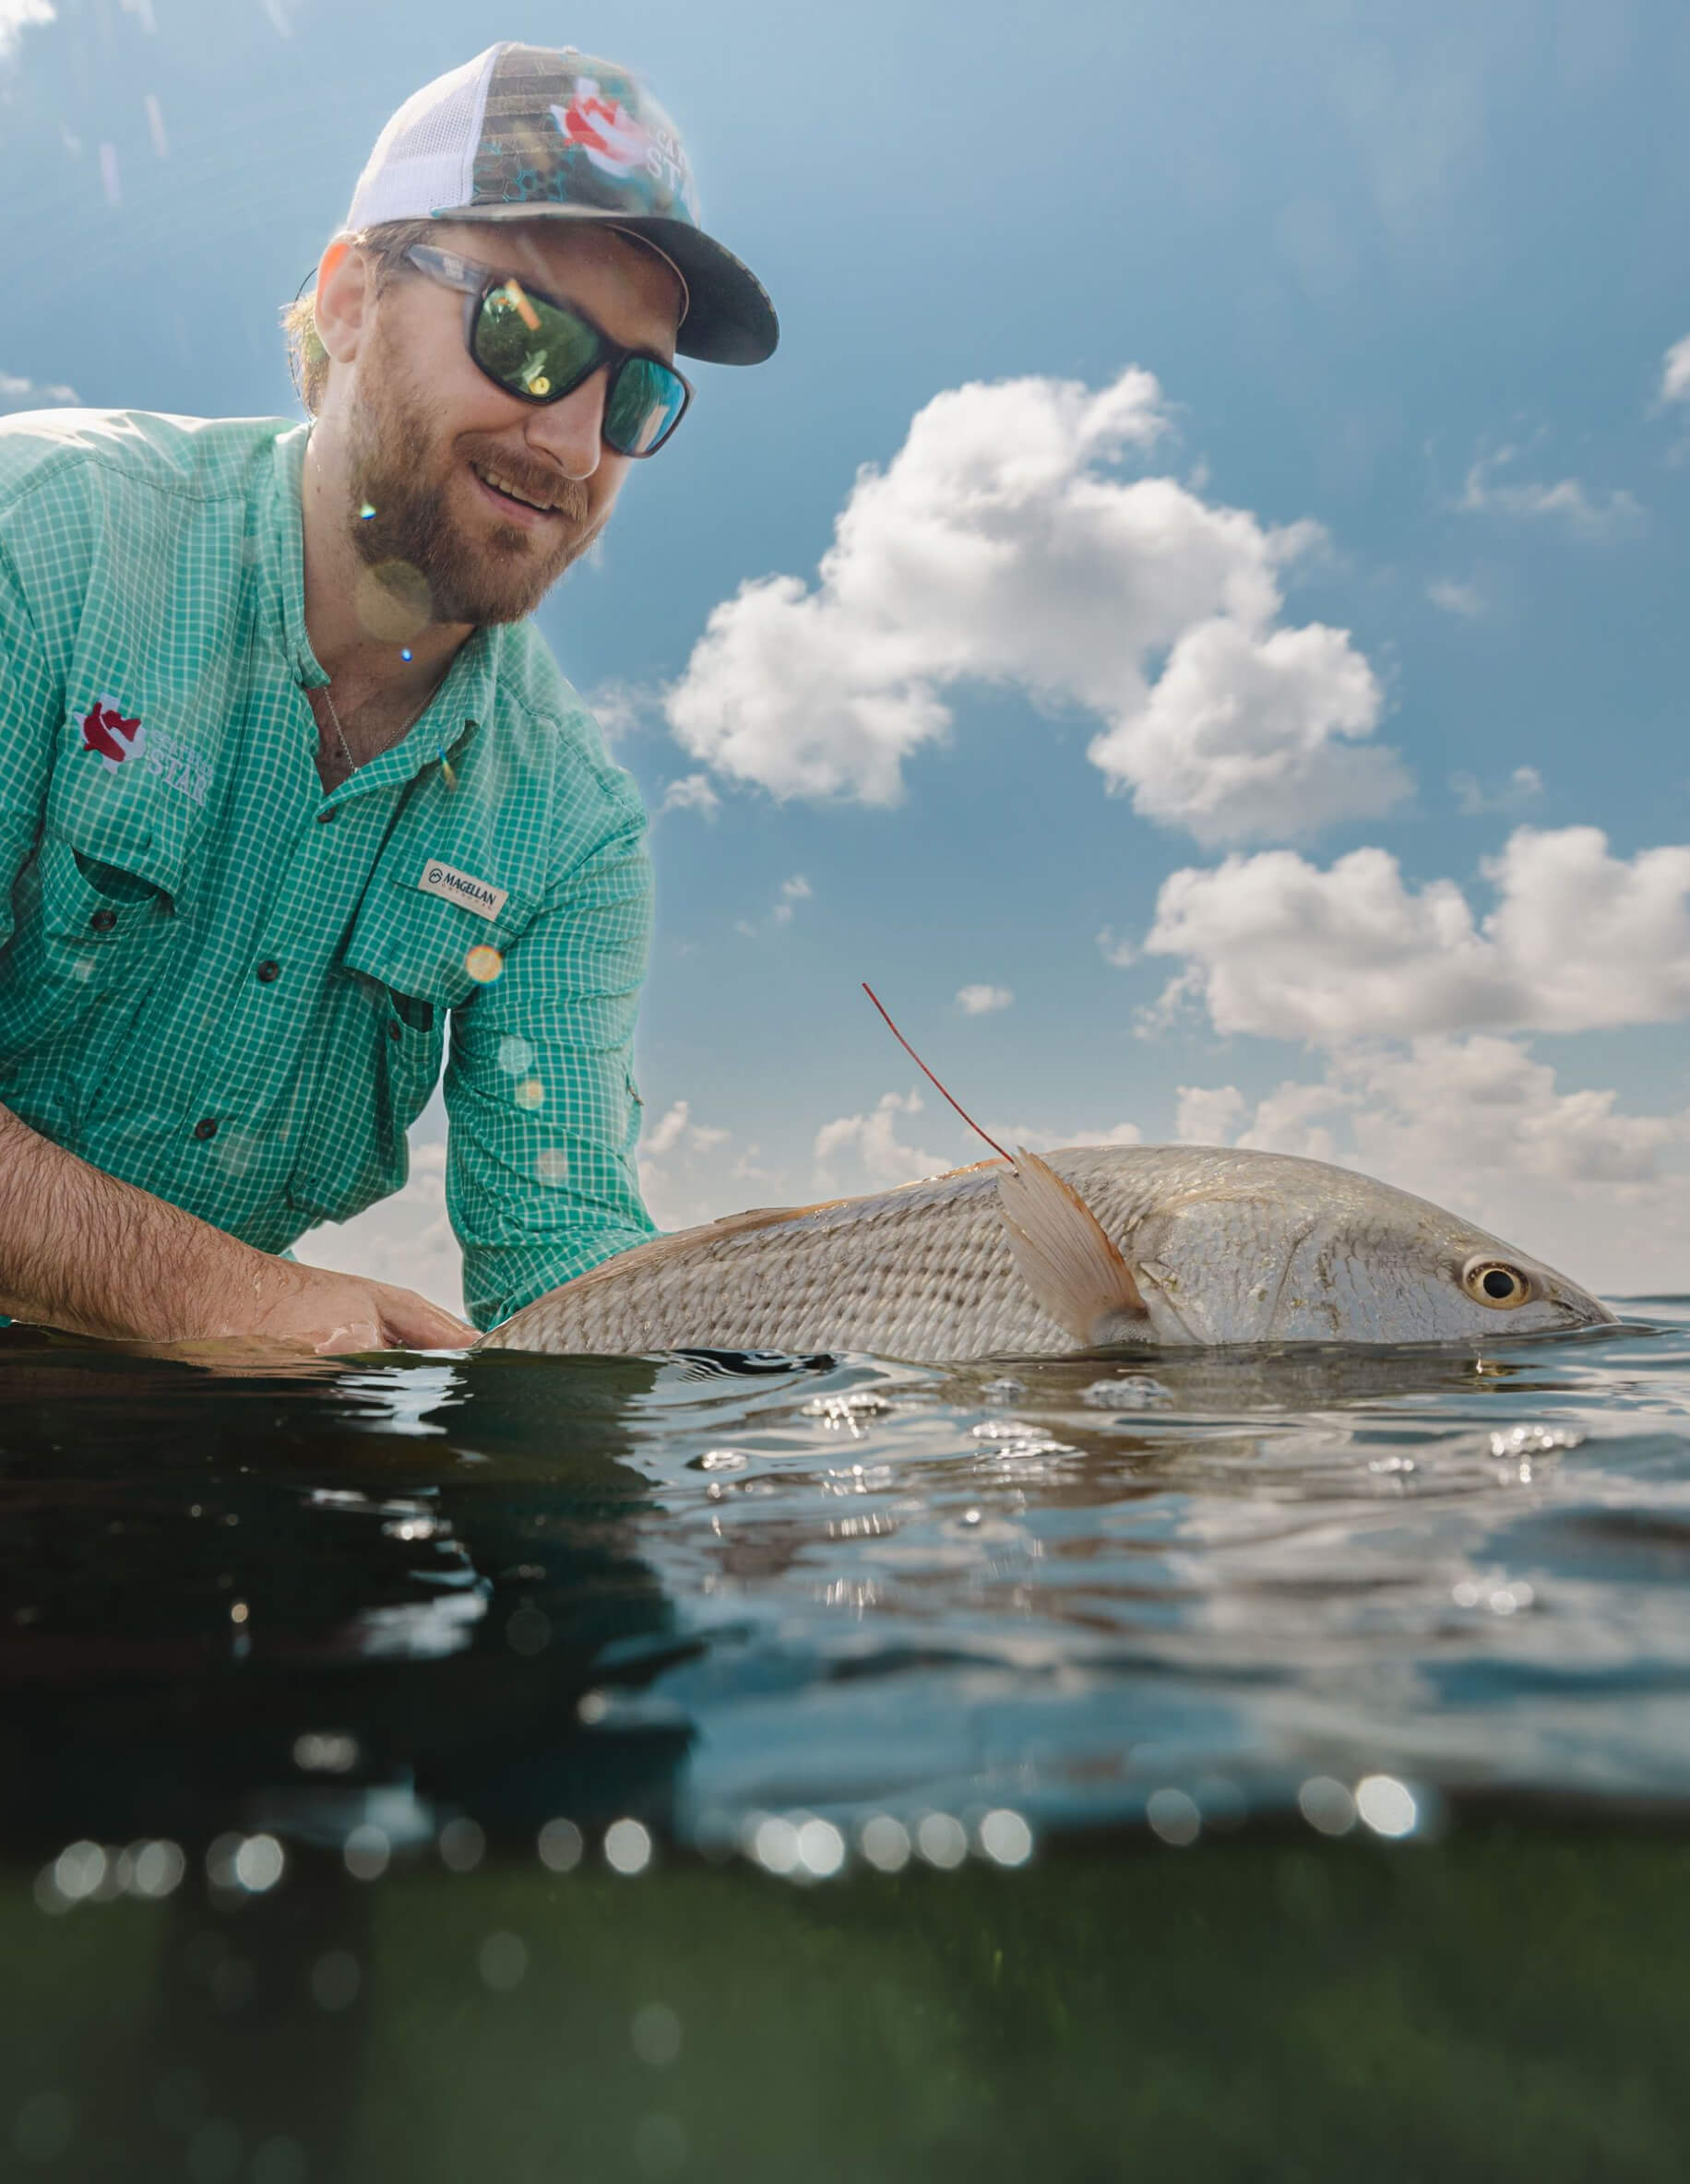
466,1652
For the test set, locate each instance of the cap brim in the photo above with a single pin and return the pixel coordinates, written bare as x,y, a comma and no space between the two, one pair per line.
730,319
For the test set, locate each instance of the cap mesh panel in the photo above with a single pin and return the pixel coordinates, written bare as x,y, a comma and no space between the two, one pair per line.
440,131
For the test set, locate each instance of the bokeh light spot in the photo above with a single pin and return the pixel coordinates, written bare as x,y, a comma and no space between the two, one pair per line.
656,2035
462,1846
1173,1816
79,1870
503,1959
774,1844
1005,1837
366,1852
560,1846
324,1753
156,1870
1326,1805
821,1848
942,1840
1387,1805
627,1846
259,1863
885,1842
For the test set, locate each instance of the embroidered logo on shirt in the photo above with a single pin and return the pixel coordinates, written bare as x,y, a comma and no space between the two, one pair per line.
178,764
107,732
115,740
459,887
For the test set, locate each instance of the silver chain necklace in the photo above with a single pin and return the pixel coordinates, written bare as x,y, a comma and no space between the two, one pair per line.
351,764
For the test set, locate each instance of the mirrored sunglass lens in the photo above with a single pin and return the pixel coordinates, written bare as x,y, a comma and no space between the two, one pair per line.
645,405
534,348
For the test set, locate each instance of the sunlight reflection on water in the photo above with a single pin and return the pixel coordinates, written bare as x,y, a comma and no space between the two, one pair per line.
813,1612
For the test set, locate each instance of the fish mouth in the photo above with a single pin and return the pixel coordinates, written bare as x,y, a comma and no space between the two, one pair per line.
1583,1311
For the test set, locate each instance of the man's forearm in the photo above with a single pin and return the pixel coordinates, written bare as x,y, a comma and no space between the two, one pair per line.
82,1250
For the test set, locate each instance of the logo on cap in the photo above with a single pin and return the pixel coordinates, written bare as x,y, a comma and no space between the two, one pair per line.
603,129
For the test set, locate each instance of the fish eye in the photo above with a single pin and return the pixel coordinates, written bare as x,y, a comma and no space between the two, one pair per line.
1496,1285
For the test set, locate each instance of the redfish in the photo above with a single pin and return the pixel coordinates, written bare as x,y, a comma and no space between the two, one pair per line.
1092,1246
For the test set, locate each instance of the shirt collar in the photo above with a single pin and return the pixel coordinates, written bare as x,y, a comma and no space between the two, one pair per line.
276,545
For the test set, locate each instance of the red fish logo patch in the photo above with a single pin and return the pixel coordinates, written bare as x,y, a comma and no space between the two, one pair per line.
106,731
606,131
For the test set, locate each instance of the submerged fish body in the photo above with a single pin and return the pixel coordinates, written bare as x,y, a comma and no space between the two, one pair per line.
1162,1244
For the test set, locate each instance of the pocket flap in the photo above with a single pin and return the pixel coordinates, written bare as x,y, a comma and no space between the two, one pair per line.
421,941
125,817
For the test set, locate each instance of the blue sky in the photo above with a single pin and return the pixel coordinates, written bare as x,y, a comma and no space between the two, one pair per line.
1410,279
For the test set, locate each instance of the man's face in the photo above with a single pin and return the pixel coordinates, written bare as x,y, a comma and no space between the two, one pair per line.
431,440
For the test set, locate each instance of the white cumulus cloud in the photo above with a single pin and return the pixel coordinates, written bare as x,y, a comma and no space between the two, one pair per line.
1578,940
28,394
1208,1115
1567,501
1675,373
862,1152
981,1000
691,793
788,895
1479,1125
1464,599
1002,546
19,15
792,892
1523,786
405,1239
686,1171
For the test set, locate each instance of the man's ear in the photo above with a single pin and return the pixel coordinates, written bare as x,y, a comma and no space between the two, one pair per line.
345,293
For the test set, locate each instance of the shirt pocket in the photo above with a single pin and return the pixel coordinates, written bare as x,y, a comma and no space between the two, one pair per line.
409,960
94,920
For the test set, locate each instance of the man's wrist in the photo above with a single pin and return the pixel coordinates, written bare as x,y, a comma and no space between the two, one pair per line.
83,1250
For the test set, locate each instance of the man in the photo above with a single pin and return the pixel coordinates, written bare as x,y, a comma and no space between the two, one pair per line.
287,780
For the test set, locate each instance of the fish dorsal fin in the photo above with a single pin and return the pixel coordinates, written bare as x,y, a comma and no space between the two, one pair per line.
1061,1253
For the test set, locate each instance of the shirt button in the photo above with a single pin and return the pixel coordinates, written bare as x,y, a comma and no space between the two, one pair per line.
394,1031
269,969
324,817
206,1127
103,920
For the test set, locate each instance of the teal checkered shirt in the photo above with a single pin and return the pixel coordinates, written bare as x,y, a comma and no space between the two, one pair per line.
231,989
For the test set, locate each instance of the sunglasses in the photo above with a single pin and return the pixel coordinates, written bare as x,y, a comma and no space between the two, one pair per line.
541,350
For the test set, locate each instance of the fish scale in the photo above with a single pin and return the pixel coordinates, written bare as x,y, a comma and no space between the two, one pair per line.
1213,1246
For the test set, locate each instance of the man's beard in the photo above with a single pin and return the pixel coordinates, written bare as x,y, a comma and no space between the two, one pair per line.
500,577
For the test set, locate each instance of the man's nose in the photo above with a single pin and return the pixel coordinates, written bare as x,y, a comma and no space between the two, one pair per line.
571,433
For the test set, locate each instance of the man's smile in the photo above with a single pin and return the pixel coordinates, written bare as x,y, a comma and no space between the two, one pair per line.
514,504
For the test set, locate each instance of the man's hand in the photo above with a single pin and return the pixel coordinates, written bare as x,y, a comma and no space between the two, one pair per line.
332,1314
82,1250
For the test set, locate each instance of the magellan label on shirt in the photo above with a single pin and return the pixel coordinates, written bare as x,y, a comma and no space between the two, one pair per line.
459,887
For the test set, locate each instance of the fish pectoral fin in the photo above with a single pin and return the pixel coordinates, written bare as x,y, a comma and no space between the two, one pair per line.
1062,1255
